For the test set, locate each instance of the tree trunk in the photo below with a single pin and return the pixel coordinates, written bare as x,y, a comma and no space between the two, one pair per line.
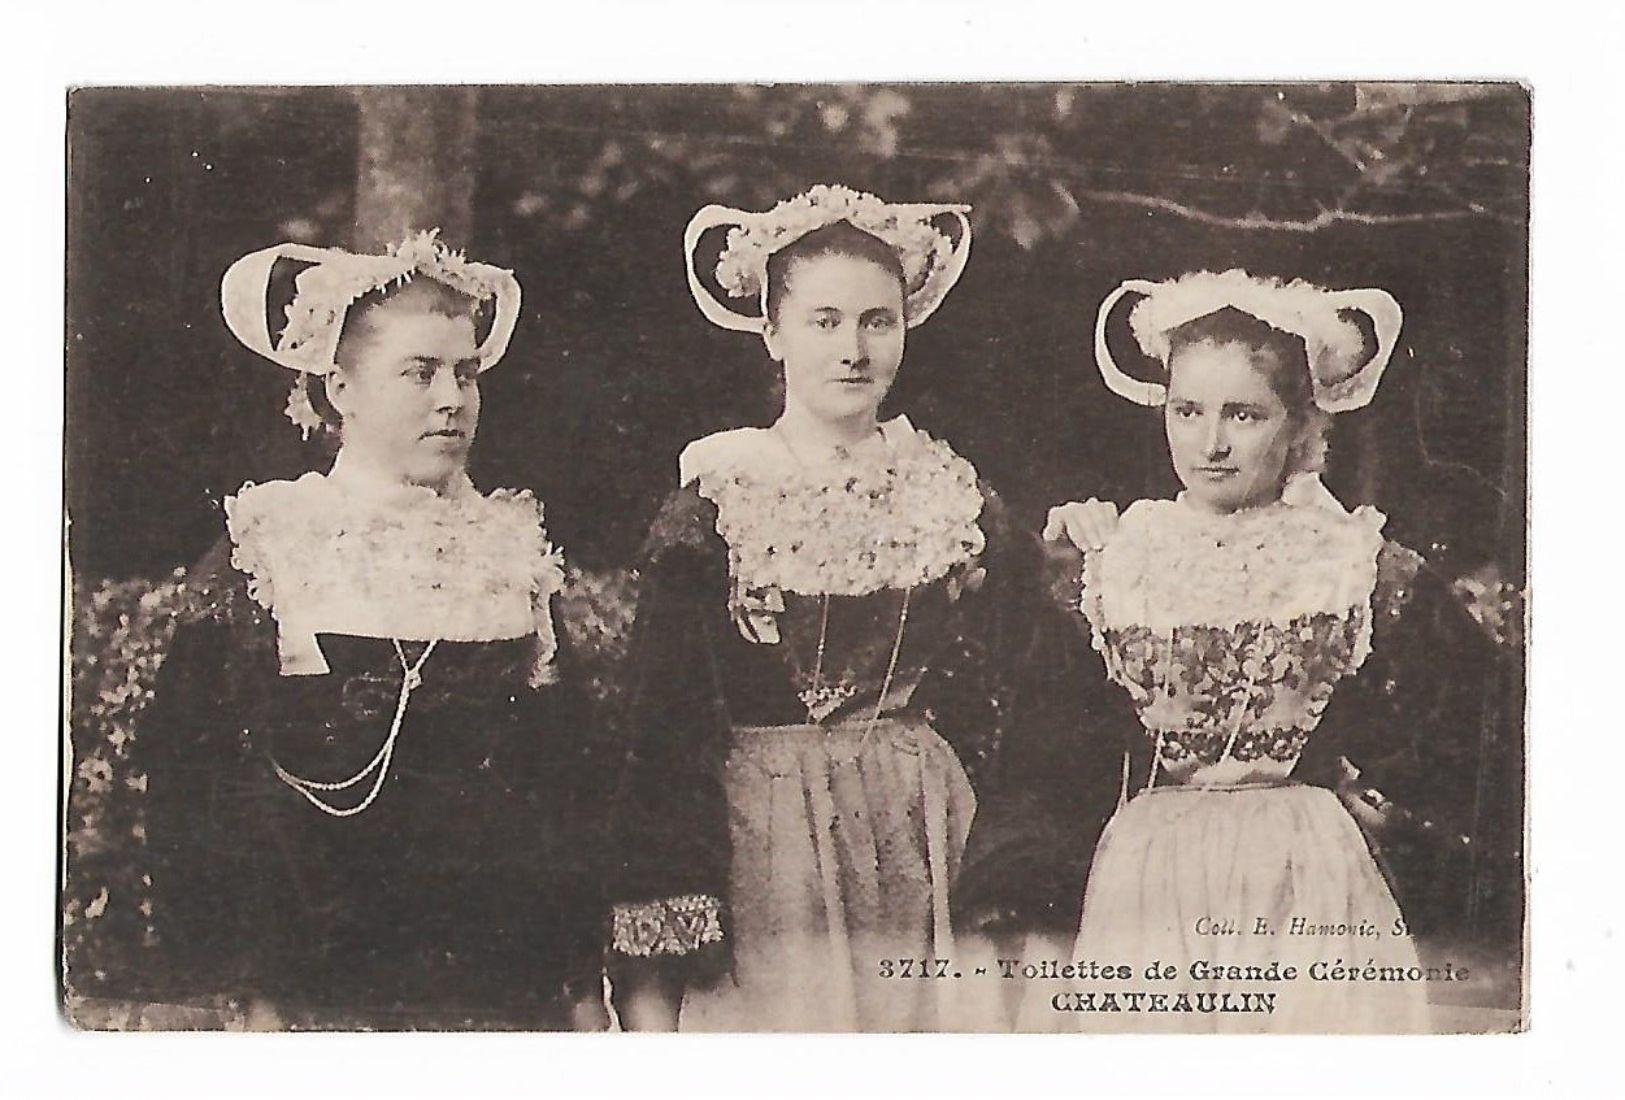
416,164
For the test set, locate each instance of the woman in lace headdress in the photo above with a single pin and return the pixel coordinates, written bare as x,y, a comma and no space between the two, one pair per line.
814,656
1278,650
370,781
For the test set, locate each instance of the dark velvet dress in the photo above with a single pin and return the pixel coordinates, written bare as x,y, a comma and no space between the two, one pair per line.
464,892
822,661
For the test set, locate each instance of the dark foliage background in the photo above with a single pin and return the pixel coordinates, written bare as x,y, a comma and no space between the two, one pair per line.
584,191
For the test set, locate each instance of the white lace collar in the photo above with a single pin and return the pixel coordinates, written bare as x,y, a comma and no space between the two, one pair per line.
842,527
1172,564
350,554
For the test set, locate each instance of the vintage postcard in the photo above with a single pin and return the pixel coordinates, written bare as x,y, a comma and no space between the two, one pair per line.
619,558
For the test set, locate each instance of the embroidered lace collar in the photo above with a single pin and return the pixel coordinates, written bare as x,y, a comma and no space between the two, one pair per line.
1171,564
347,554
901,519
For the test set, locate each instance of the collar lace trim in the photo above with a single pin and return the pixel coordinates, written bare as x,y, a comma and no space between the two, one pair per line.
846,529
1170,565
323,557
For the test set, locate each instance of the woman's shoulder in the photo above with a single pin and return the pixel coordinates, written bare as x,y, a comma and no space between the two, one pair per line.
1147,511
258,504
1407,582
516,521
686,521
910,442
520,515
722,453
260,517
1142,519
519,505
1359,530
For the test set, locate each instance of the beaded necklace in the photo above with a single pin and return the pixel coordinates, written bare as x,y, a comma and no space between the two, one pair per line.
820,701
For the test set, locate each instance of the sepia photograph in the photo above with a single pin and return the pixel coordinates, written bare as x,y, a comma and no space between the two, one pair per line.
591,558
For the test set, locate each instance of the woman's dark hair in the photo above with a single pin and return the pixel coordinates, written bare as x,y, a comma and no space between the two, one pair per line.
837,239
425,294
1283,360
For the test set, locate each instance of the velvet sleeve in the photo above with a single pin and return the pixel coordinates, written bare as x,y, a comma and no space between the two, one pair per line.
201,780
967,691
1428,720
568,771
669,835
1412,717
1053,780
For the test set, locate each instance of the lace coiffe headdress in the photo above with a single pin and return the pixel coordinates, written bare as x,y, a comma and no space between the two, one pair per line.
931,261
1343,375
333,282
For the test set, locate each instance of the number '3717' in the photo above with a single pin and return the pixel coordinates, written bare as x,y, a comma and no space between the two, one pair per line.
916,968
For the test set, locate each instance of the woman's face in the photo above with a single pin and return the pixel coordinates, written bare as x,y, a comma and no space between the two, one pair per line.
1228,432
409,393
838,331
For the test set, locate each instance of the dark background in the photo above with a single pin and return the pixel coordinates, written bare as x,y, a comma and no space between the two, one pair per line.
585,191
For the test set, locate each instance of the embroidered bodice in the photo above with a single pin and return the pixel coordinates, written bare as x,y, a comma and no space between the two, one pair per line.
1230,632
333,554
848,570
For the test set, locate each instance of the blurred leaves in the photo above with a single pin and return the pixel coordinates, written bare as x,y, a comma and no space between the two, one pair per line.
1296,157
1029,157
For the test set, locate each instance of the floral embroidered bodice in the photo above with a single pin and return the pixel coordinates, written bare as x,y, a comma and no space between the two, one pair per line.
334,554
1230,632
848,570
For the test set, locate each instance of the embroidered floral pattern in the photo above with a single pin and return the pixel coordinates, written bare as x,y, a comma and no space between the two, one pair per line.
1233,630
669,926
1207,745
463,568
1214,670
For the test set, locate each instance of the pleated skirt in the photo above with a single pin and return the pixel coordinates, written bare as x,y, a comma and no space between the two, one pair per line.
846,839
1200,880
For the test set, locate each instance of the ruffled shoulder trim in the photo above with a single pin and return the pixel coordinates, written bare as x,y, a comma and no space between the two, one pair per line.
523,513
255,514
1141,516
521,509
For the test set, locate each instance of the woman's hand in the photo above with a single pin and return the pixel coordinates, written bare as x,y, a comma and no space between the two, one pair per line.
588,1010
1365,803
1088,525
648,994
